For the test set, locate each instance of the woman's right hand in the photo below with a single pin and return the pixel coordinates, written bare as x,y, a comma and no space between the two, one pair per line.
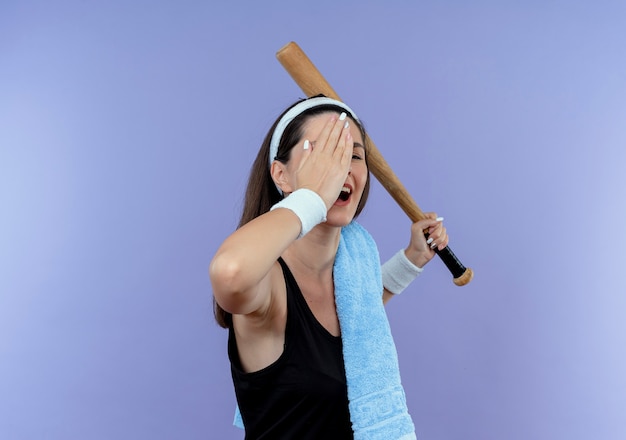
326,160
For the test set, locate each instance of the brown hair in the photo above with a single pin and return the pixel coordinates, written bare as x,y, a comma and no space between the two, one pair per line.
261,192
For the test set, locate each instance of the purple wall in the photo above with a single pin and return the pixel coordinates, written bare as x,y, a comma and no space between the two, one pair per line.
126,134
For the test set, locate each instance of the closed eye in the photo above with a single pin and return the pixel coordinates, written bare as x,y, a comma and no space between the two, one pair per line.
358,153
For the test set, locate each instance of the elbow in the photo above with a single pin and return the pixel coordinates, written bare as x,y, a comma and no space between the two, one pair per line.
226,277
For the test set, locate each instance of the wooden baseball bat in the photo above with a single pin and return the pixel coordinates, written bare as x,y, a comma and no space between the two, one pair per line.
311,81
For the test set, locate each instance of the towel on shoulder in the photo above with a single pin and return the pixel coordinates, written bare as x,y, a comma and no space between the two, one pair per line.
377,401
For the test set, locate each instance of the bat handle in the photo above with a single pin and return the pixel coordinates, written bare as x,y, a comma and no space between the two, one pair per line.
462,275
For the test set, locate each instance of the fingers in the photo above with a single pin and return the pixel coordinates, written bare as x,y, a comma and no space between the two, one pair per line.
345,147
320,143
331,135
335,142
308,148
435,231
439,241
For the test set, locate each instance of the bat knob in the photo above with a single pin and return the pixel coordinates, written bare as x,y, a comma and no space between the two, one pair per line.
465,278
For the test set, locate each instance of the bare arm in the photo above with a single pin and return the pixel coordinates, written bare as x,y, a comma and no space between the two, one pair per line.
387,295
240,270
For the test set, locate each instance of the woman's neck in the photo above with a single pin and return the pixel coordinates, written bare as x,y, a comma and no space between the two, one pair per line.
315,252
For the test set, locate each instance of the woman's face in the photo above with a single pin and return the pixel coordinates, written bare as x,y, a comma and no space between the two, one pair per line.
344,209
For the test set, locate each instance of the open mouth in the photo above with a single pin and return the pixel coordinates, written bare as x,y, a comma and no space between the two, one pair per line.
344,195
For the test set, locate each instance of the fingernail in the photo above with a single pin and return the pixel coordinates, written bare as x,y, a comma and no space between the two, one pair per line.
306,144
342,116
429,241
433,246
346,125
439,219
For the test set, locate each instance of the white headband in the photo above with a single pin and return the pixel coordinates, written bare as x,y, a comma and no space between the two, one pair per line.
296,110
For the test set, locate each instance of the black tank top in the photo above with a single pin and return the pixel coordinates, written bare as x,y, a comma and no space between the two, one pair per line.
303,394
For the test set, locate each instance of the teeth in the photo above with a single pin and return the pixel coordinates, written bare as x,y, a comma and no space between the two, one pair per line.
346,189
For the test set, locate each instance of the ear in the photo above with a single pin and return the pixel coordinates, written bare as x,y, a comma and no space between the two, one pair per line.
279,174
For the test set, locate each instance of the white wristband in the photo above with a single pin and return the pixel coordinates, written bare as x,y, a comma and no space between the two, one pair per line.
307,205
398,272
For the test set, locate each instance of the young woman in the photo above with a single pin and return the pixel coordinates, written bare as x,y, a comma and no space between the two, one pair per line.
273,279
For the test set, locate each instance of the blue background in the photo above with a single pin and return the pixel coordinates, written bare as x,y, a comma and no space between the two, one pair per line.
127,129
